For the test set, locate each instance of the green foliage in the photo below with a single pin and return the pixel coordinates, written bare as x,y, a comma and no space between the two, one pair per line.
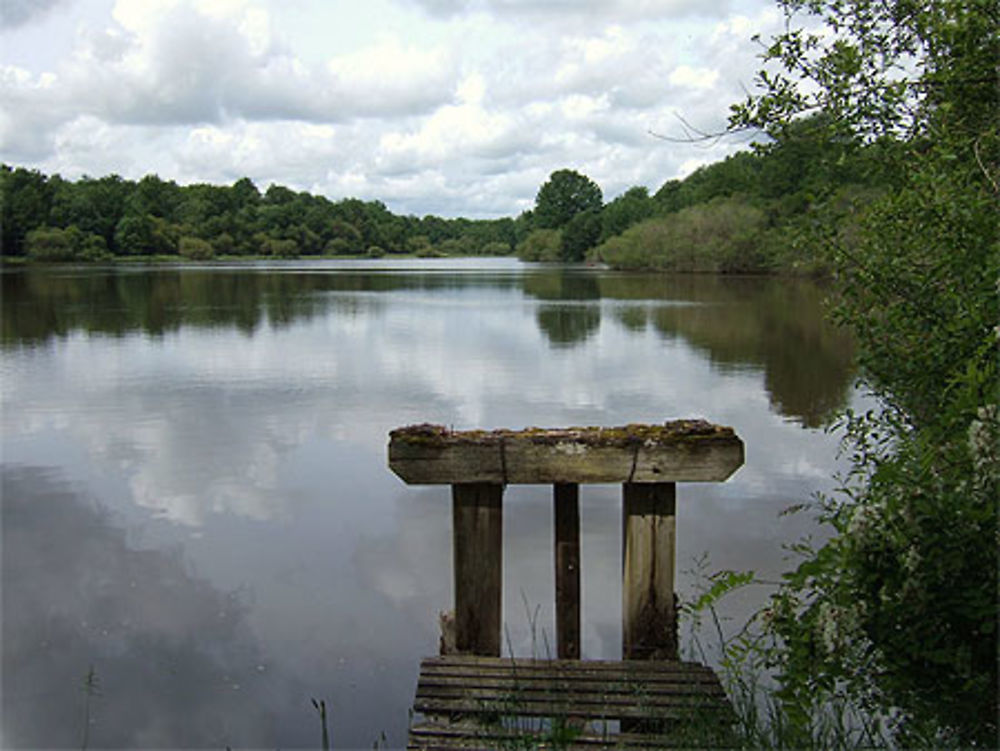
737,173
541,245
195,249
25,200
580,235
720,236
149,217
457,246
565,194
496,248
899,608
134,235
820,720
279,248
95,206
627,209
52,244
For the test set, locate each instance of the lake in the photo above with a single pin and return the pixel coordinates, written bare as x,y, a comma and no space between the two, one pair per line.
197,510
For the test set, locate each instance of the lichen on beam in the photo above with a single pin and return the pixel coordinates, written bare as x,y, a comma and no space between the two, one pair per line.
675,451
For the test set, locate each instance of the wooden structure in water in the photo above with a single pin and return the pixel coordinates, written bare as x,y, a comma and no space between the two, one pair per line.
469,699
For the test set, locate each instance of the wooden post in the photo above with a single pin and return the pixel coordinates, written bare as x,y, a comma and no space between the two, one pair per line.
567,553
649,617
477,528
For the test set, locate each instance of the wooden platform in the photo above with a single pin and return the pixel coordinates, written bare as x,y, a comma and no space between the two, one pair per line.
487,703
648,700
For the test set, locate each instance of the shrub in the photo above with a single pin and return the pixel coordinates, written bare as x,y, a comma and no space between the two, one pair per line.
52,245
195,249
541,245
724,235
496,249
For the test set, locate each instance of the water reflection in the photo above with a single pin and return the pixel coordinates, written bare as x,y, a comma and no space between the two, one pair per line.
736,322
233,423
175,662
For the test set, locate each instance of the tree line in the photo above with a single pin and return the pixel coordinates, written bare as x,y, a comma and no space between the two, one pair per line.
53,219
744,214
740,215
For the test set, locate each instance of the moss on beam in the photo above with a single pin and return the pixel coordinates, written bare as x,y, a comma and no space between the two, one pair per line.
677,450
673,431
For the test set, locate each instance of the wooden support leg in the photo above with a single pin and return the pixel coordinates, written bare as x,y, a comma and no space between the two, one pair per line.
649,616
477,528
567,551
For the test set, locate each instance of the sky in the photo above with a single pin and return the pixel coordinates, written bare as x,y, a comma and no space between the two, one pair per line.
446,107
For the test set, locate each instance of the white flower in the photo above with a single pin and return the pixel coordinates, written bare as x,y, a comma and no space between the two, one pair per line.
862,520
912,560
984,435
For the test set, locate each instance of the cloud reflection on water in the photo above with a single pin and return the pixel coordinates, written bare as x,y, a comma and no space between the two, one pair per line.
234,423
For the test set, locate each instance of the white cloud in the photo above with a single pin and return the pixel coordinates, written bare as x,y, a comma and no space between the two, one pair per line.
463,109
693,78
578,11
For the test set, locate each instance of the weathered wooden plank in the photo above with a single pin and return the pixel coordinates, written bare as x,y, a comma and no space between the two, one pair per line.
457,737
678,687
568,678
478,549
593,704
564,700
450,698
639,669
649,617
567,554
653,680
677,451
596,710
519,663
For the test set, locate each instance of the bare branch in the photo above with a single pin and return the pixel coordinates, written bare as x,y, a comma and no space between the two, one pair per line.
693,135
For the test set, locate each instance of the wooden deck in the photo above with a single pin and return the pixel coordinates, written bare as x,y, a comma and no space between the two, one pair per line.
472,702
476,700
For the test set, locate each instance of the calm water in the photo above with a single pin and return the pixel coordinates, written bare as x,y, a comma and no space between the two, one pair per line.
195,495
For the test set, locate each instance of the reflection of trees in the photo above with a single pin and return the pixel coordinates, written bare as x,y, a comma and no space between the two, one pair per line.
776,324
38,304
563,284
175,661
566,323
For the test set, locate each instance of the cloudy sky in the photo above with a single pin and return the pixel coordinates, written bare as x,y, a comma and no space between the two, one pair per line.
449,107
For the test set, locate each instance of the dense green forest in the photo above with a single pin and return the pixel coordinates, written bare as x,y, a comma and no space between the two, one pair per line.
745,214
736,216
52,219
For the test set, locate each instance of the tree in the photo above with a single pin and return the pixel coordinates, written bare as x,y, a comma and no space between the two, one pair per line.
565,194
630,208
91,205
244,193
71,244
580,235
155,197
25,200
900,605
134,235
195,249
541,245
